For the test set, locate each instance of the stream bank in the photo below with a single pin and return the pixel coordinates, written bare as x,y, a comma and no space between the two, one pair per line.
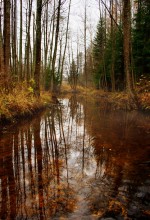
21,103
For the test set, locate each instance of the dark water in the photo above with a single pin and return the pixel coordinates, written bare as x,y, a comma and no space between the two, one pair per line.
76,161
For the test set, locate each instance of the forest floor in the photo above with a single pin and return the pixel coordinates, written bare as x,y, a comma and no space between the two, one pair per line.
20,102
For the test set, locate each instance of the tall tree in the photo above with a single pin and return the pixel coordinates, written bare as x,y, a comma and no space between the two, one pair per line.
6,40
127,44
112,47
127,51
141,38
14,37
28,40
66,40
20,43
98,55
38,48
1,55
53,81
85,43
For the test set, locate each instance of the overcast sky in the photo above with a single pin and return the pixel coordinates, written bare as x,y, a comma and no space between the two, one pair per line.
77,19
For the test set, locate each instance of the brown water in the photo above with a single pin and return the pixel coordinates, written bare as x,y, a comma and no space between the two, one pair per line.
76,161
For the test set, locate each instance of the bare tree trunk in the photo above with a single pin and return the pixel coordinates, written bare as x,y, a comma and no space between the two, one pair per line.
2,76
127,51
20,43
6,41
127,44
85,49
14,37
52,41
60,57
112,48
53,83
34,46
38,48
66,40
45,36
28,41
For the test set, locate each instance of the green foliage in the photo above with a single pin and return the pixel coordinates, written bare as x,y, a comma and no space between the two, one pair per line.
48,78
141,38
99,41
57,79
108,50
73,75
98,53
102,54
31,87
30,90
118,59
32,82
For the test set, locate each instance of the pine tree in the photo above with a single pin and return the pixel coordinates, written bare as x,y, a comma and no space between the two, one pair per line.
141,38
98,55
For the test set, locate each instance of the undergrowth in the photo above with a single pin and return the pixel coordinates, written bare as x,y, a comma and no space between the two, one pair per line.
21,101
116,100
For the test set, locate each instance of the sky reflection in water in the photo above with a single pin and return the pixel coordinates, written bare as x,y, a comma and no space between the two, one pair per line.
76,161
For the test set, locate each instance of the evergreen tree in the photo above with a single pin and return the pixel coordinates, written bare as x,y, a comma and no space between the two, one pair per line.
118,64
73,75
141,38
98,55
102,54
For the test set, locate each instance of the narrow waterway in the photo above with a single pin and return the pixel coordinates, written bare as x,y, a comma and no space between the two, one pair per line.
75,161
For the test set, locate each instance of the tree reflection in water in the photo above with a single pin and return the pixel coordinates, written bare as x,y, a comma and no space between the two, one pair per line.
76,161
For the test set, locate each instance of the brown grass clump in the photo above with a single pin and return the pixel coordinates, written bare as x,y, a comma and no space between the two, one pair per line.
115,100
21,101
145,100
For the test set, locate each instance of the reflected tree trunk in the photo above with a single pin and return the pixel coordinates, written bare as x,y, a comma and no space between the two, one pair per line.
39,158
8,208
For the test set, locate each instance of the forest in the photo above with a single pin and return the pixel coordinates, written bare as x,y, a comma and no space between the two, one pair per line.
38,57
74,109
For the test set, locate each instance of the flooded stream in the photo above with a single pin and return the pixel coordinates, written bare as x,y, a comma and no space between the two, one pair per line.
76,161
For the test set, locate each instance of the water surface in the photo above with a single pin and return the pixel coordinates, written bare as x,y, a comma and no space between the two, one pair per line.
77,160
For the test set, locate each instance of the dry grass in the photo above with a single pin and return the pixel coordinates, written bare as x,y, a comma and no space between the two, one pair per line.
145,100
117,100
21,101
